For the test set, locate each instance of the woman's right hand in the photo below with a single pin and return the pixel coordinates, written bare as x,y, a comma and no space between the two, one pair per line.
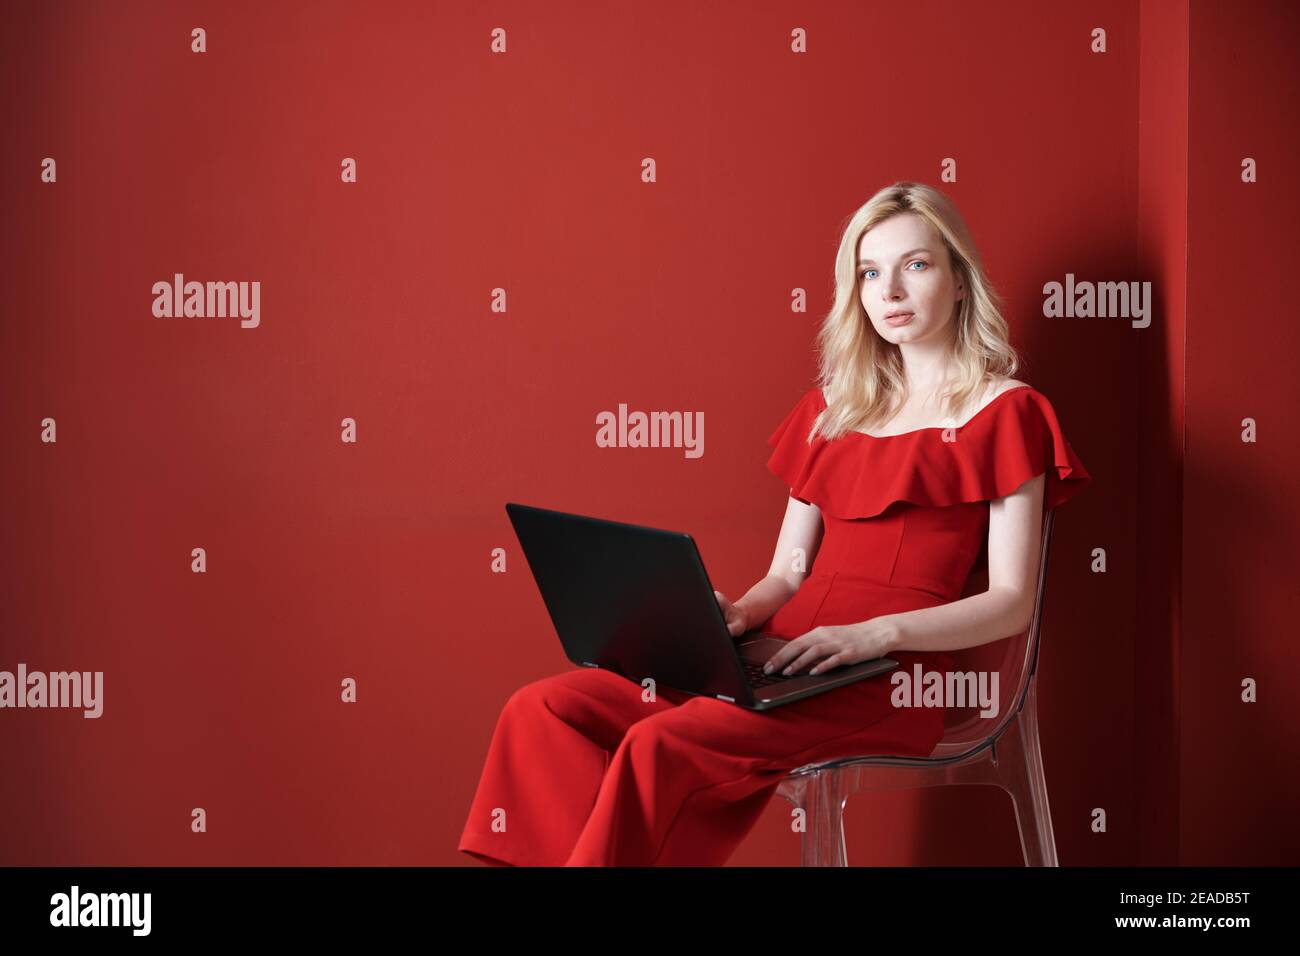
736,618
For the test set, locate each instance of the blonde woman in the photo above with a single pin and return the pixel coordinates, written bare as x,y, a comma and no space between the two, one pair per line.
916,457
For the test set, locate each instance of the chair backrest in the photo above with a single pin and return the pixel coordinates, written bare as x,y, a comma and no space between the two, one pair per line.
1014,659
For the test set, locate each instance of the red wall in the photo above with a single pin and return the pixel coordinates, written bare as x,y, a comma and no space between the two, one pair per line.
1158,394
1239,783
522,171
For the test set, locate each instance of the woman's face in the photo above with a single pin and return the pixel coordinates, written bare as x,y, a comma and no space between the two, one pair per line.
903,266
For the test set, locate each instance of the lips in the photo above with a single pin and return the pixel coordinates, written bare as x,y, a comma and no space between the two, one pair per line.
899,318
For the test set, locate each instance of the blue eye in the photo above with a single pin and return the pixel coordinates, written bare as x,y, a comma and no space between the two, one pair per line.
914,262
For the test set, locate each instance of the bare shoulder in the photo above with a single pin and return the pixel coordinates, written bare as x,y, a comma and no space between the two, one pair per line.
1006,385
1000,386
995,388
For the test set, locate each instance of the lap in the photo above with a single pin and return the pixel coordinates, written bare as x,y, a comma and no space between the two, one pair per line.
599,703
856,719
602,686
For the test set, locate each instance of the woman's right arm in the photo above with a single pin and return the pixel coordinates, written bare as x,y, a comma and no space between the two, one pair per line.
796,547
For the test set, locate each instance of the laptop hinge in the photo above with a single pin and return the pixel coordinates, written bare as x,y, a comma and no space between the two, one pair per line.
729,700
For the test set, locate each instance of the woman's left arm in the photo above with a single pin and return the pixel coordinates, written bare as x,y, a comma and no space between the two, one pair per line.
1015,537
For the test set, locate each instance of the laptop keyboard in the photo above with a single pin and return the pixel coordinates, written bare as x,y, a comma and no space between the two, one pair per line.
755,677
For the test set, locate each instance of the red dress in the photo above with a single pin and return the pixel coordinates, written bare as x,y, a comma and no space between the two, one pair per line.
582,771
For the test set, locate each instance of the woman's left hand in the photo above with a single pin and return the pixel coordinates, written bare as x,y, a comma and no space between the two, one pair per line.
832,645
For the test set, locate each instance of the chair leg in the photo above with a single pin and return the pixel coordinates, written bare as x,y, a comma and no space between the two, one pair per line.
823,841
1020,769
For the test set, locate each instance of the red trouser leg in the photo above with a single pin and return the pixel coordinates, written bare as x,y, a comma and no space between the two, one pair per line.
546,762
687,784
591,775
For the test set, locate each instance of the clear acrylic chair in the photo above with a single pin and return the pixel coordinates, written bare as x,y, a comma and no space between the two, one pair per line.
1001,750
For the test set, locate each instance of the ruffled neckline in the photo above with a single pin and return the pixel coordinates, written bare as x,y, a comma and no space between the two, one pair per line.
931,428
1013,438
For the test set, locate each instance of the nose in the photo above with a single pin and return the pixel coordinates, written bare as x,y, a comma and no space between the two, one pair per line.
891,288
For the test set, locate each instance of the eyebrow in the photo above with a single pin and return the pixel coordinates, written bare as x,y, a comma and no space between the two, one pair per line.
863,262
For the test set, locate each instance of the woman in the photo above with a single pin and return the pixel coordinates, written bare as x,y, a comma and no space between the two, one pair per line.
916,449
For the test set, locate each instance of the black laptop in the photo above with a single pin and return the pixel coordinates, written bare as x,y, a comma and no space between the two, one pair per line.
637,601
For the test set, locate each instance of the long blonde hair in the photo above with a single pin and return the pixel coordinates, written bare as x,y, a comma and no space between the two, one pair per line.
859,372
